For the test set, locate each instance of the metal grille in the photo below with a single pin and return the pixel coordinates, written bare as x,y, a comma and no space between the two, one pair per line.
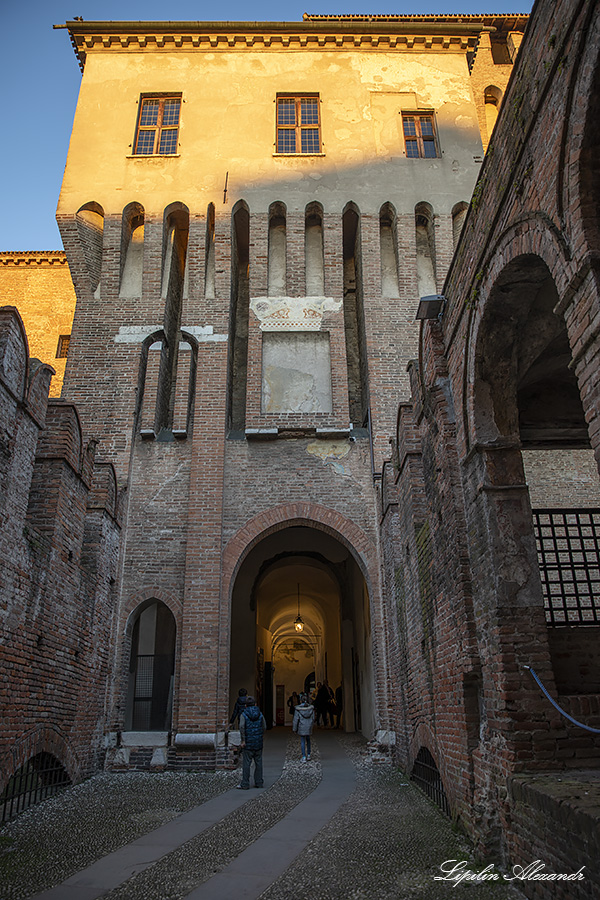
426,775
42,776
568,546
142,701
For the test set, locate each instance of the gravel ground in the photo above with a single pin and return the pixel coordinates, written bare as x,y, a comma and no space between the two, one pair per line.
174,876
52,841
385,843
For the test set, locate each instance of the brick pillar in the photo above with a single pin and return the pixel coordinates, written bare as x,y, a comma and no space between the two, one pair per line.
193,306
444,248
182,389
152,274
203,683
259,253
111,258
333,256
259,274
295,275
222,264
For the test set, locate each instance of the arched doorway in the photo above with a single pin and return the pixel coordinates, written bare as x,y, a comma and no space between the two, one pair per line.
302,571
151,668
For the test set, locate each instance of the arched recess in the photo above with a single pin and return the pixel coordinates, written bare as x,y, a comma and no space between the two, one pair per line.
239,315
492,98
313,250
459,214
209,258
524,390
90,230
40,777
388,239
277,264
185,385
151,672
354,317
425,244
302,565
132,251
174,258
150,379
176,225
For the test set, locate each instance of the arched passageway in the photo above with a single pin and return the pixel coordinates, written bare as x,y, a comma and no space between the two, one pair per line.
529,414
151,669
300,571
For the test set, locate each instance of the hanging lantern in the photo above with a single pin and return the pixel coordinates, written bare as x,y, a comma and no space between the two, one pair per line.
298,621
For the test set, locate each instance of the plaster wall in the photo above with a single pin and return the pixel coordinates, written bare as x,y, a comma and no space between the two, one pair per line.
39,285
228,126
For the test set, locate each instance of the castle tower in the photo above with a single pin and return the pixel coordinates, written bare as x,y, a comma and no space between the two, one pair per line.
250,213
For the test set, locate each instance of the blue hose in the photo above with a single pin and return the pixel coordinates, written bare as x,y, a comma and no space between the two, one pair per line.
556,706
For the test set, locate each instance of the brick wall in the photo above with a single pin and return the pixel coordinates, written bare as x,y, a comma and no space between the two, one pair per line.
458,537
60,545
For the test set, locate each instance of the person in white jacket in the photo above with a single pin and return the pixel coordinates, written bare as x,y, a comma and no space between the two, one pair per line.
304,719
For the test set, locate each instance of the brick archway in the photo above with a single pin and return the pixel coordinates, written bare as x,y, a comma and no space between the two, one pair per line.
534,239
41,738
311,514
371,648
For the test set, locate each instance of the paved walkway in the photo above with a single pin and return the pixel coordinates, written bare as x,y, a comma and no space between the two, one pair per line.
337,828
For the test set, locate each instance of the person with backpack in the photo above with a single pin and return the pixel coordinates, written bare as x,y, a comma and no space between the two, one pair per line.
252,728
304,718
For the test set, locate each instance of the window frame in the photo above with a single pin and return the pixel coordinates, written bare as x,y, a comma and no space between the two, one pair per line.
62,349
417,115
297,128
158,127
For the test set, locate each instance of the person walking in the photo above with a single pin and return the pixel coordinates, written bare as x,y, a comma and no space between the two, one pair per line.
322,704
252,729
304,718
240,705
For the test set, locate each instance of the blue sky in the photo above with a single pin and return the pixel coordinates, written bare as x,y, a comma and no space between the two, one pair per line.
41,79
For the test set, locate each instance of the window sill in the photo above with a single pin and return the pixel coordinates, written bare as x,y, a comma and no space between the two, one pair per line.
153,156
296,155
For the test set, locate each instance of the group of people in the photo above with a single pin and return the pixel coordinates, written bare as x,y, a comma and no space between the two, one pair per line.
307,711
327,705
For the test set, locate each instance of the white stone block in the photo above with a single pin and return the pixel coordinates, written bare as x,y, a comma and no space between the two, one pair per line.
159,757
191,741
386,738
144,738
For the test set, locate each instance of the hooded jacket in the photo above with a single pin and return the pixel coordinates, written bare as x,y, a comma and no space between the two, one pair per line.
252,726
304,717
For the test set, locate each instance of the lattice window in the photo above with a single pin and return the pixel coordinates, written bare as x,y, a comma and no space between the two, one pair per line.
298,124
419,135
63,346
157,130
568,546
